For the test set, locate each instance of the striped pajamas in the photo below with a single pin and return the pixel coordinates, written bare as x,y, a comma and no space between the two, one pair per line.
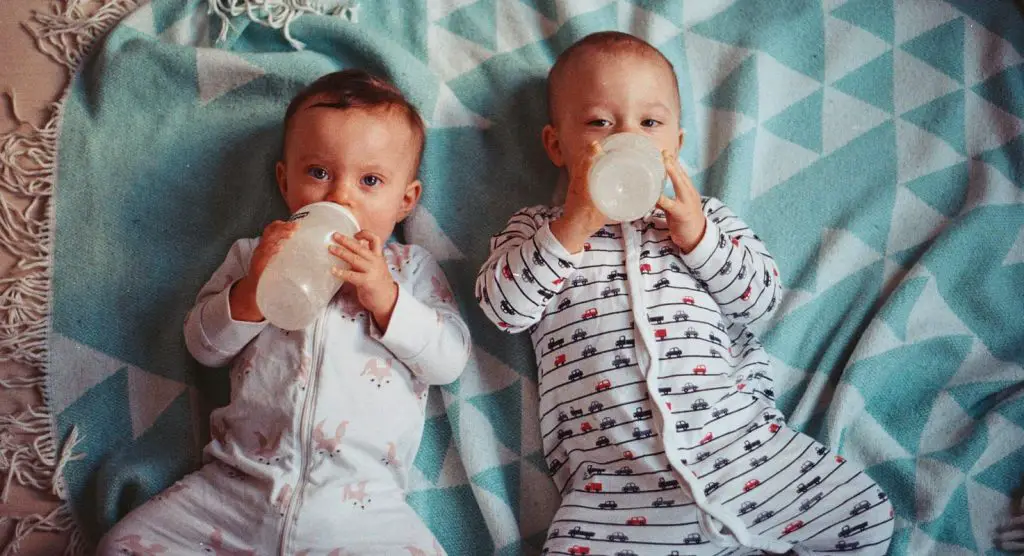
656,401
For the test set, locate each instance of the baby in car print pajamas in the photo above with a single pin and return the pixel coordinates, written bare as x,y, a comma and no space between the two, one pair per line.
656,398
312,455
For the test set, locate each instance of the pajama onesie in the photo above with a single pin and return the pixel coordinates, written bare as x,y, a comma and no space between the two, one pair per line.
656,400
312,455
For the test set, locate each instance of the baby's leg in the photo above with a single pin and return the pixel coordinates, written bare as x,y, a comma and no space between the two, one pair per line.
809,496
374,524
580,529
212,511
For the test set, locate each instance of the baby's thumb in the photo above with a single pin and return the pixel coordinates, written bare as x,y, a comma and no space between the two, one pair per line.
667,204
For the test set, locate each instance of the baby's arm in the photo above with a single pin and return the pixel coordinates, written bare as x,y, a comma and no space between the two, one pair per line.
527,267
212,335
729,241
426,331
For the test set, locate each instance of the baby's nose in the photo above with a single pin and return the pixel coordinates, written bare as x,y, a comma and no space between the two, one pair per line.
628,127
339,194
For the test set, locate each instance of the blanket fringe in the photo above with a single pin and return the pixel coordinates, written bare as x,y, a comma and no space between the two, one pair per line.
279,14
69,31
30,455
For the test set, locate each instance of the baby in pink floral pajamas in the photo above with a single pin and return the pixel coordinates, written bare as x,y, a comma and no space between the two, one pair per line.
312,455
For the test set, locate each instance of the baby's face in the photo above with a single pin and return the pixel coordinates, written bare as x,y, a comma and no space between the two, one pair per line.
363,159
605,93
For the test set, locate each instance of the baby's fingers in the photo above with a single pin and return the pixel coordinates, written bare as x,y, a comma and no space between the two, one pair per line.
372,240
280,228
345,274
681,182
581,170
355,259
669,205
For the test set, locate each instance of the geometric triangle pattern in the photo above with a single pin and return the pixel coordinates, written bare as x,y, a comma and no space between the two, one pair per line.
871,83
901,303
875,16
876,146
220,72
943,117
942,47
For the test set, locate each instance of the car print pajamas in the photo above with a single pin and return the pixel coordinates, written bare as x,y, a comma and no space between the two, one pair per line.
312,455
656,403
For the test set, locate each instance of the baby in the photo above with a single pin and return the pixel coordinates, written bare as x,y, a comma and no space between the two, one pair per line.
312,455
656,401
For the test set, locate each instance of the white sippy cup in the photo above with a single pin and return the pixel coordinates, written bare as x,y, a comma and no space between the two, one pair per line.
297,283
627,179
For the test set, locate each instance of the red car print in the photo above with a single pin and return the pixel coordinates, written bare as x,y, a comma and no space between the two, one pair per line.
586,246
751,485
586,427
603,385
577,550
558,281
840,459
638,520
645,268
506,272
741,386
707,438
736,240
792,527
660,334
774,427
700,370
593,487
503,324
688,300
560,360
589,314
746,294
627,454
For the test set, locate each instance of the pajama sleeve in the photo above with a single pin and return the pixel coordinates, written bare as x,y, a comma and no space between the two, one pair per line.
735,266
426,331
527,267
211,335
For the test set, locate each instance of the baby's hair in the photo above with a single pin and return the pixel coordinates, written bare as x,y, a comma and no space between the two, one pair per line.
356,88
604,41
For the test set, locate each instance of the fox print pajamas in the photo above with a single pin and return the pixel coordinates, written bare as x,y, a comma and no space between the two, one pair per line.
312,455
656,403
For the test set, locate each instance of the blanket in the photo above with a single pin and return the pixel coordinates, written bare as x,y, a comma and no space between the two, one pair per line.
876,146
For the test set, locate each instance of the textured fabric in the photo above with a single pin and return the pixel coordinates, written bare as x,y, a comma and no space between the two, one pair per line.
875,146
655,393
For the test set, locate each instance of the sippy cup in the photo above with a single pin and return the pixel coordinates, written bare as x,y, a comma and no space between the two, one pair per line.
627,179
297,283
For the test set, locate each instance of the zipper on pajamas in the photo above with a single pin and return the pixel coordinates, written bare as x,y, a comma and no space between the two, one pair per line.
305,434
652,375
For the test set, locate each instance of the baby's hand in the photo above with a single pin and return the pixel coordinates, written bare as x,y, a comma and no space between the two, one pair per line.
368,272
580,219
685,215
270,244
243,295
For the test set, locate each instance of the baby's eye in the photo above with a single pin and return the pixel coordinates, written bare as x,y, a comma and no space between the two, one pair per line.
317,173
649,122
371,181
599,123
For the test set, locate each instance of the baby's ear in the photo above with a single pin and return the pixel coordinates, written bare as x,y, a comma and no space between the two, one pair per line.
410,198
282,177
553,147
